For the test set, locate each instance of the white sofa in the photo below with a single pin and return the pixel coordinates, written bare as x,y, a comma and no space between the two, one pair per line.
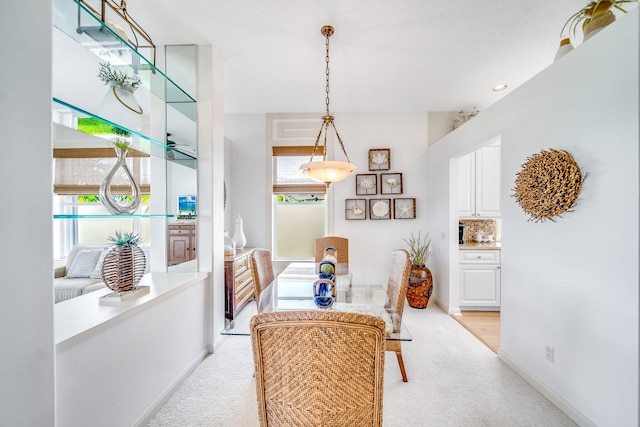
81,273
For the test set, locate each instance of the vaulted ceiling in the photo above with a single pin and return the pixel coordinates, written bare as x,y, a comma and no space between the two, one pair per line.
386,56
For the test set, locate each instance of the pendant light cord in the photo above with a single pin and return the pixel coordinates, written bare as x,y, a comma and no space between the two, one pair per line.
328,118
326,59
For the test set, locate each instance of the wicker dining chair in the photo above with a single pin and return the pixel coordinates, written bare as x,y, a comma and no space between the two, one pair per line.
340,243
396,292
318,368
261,269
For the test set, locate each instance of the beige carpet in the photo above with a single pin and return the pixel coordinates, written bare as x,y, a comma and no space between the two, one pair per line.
454,380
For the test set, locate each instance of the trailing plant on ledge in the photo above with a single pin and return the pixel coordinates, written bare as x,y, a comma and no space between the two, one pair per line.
112,76
586,14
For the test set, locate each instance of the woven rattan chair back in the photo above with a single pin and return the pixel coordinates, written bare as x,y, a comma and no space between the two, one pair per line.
318,368
340,243
398,279
396,292
261,269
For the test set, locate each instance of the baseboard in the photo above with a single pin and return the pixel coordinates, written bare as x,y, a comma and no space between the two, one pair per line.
577,416
162,399
449,310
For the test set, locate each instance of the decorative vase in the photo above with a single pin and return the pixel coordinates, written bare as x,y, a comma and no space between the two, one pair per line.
119,105
565,47
324,293
420,287
238,234
330,254
123,268
326,270
600,17
105,188
229,245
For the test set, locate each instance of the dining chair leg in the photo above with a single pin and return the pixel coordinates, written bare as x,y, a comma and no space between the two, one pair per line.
401,363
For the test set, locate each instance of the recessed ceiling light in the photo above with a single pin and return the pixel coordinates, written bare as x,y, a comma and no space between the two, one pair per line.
498,88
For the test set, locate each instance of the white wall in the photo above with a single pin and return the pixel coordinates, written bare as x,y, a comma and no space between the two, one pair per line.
26,262
570,284
370,241
246,195
210,222
120,375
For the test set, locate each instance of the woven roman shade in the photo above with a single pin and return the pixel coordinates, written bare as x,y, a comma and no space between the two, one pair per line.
81,171
287,178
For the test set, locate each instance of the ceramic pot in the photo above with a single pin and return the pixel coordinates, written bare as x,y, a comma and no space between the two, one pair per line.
599,17
326,269
420,287
238,234
324,293
565,47
119,105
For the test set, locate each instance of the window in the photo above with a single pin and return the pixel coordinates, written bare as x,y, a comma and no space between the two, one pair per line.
78,174
299,208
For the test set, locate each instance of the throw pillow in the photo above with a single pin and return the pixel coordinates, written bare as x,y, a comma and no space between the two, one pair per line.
84,263
97,272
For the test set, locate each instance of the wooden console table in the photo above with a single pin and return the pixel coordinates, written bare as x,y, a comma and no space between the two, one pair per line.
238,282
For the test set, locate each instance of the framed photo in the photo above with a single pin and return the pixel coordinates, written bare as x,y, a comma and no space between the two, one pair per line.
366,183
355,209
379,159
379,208
404,208
390,183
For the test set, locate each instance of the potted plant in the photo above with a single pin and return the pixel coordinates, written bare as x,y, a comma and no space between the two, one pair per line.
112,76
420,279
594,15
124,263
122,86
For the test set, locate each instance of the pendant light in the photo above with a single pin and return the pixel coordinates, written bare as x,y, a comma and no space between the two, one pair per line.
327,171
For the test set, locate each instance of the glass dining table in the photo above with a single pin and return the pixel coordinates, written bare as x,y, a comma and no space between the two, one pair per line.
357,290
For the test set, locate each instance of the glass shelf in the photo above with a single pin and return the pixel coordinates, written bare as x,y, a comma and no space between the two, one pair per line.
67,115
79,23
109,216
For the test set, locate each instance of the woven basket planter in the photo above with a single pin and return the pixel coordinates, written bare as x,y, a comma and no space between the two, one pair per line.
123,268
420,287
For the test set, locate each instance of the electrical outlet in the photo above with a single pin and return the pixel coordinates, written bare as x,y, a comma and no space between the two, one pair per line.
549,353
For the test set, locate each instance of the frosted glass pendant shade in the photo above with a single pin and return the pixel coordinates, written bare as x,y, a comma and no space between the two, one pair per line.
328,171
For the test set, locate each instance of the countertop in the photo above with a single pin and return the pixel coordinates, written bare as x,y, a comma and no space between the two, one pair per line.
475,246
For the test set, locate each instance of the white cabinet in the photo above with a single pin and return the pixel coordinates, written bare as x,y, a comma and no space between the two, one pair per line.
479,183
480,279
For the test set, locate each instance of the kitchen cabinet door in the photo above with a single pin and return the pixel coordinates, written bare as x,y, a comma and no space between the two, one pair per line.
467,185
479,183
488,182
479,286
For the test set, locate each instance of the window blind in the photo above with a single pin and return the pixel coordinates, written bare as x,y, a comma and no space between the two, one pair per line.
287,178
81,171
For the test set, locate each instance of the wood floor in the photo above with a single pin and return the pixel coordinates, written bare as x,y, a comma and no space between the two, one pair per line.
484,325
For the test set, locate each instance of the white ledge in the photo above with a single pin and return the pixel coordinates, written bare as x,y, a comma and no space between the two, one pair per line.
81,317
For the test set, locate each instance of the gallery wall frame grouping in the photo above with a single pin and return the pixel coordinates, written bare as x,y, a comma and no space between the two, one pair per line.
385,183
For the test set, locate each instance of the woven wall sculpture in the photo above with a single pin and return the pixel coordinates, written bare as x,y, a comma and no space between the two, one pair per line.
548,184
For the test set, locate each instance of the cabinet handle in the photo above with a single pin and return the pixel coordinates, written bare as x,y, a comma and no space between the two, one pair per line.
479,256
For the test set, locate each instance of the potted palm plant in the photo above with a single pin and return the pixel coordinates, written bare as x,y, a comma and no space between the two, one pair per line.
125,262
420,279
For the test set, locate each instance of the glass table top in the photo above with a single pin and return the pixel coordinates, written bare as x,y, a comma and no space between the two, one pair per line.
358,290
